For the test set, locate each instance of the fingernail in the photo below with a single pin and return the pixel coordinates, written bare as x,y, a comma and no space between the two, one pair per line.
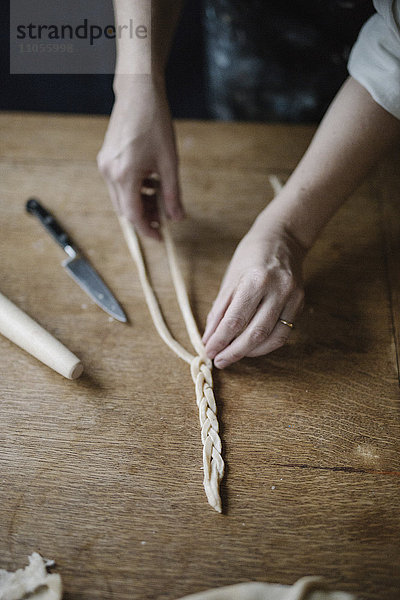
220,364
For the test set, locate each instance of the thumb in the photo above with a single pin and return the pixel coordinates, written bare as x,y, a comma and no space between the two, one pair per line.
170,191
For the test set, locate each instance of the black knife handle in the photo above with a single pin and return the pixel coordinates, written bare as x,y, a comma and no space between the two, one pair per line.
34,207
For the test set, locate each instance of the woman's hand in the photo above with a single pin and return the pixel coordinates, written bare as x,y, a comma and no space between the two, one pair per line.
262,284
140,142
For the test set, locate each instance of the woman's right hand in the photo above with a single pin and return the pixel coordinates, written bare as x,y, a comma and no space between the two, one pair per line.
140,142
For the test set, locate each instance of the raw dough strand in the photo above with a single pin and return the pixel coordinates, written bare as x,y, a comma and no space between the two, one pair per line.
180,288
158,320
200,365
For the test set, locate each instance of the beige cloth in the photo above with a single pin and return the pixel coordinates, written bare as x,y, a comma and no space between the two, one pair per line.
306,588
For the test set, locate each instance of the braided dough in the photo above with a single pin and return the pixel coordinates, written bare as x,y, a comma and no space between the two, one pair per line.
200,364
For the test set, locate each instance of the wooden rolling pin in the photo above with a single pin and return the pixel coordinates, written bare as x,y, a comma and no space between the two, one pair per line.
18,327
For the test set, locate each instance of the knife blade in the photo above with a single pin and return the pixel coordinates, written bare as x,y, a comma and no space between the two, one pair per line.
76,265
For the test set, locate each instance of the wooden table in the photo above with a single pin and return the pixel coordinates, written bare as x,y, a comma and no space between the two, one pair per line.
103,474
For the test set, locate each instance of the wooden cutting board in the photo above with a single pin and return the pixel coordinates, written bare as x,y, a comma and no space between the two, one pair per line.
103,474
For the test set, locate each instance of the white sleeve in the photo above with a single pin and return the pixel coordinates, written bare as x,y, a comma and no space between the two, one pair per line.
375,58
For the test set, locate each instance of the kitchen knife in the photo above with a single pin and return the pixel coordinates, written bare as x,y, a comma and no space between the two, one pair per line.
77,266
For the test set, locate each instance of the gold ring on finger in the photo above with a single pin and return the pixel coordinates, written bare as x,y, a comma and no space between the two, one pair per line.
287,323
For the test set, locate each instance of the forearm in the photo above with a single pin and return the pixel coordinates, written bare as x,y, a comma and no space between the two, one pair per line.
140,138
354,134
148,56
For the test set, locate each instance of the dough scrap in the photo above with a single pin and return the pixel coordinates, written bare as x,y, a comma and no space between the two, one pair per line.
33,582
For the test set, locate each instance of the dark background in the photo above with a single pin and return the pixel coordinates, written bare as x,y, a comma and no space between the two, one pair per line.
265,60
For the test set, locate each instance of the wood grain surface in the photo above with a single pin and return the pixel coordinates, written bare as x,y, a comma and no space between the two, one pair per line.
103,474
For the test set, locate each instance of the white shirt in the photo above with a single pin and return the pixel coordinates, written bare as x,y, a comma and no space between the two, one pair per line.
375,58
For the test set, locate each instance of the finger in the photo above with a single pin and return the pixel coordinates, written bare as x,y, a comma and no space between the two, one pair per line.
150,208
216,313
150,184
112,192
281,332
265,333
132,204
278,338
238,314
149,194
170,192
258,330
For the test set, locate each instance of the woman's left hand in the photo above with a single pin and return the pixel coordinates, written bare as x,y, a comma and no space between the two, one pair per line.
262,284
